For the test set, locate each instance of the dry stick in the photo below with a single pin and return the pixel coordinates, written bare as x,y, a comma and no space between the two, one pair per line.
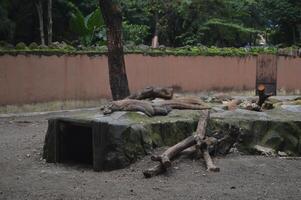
170,153
208,160
203,143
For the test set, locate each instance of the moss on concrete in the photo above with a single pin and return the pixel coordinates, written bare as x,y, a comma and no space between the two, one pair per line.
279,129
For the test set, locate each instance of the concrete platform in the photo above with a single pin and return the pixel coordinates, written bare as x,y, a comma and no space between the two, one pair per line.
114,141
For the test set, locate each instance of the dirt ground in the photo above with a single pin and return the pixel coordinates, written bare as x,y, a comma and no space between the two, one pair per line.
24,175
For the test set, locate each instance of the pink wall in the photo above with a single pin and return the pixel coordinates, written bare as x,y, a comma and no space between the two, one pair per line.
191,73
30,79
289,73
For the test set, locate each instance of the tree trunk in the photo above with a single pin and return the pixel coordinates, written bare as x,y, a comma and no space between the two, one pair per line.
112,16
41,21
49,22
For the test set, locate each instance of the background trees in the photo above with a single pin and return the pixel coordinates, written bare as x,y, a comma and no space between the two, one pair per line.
176,22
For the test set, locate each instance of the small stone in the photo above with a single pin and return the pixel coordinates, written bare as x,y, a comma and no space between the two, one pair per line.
282,154
28,155
176,168
233,187
204,174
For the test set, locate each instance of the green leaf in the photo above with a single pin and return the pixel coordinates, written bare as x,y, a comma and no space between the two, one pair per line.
77,22
94,20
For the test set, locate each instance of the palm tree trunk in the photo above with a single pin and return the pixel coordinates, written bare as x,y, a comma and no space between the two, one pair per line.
41,21
112,16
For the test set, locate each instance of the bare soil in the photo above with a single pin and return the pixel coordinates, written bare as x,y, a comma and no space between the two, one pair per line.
25,175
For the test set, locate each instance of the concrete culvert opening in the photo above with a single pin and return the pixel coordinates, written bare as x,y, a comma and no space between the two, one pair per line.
75,144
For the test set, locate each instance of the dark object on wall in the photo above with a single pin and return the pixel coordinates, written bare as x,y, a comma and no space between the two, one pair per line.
266,73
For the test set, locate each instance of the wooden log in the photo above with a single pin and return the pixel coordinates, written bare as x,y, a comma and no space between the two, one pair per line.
208,160
152,93
233,104
183,104
201,131
170,153
158,169
262,95
199,139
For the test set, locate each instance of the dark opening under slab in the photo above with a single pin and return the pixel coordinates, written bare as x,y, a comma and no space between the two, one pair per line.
75,144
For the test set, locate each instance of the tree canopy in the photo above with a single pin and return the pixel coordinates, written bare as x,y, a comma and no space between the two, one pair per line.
221,23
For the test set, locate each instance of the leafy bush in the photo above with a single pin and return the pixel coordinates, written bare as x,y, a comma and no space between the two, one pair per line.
33,45
135,33
223,33
21,46
89,28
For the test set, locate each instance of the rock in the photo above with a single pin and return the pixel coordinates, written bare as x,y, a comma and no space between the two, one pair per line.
282,154
279,129
266,151
292,108
119,139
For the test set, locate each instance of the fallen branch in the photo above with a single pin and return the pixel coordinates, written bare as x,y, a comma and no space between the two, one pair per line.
152,93
170,153
208,160
154,171
199,140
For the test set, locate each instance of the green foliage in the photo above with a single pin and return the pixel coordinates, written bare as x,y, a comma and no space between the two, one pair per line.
7,26
141,49
88,28
61,46
223,33
284,18
21,46
135,33
223,23
33,45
